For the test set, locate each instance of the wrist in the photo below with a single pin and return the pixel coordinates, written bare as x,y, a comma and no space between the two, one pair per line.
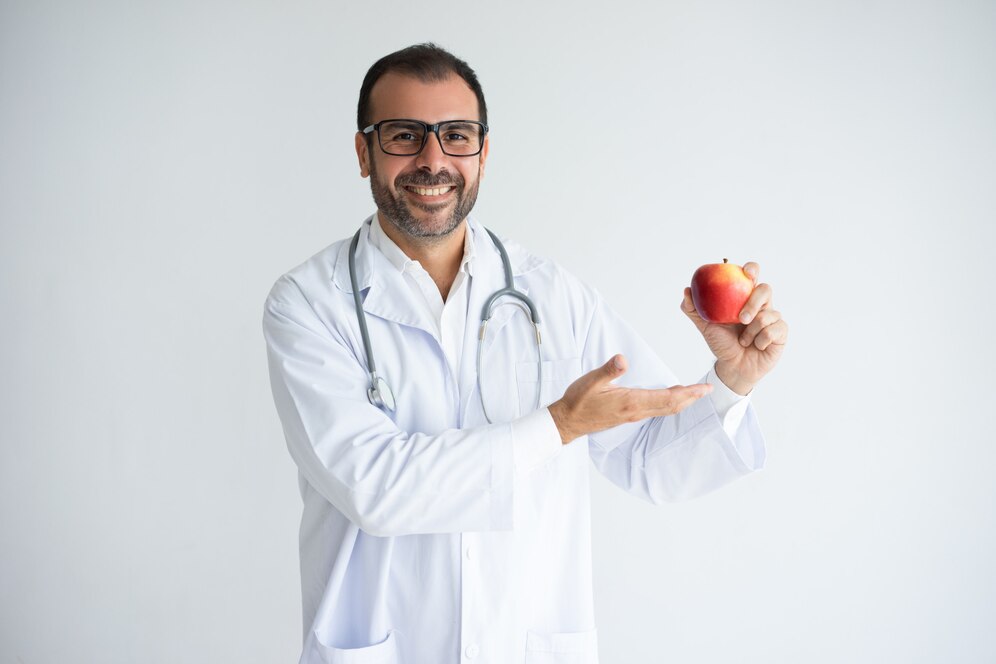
558,411
732,380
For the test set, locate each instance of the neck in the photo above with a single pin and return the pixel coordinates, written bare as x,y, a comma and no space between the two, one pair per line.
439,256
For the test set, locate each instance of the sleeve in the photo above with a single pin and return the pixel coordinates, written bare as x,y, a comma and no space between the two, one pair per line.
536,439
387,481
730,408
675,457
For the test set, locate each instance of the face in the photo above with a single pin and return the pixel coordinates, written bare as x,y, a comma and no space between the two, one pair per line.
395,180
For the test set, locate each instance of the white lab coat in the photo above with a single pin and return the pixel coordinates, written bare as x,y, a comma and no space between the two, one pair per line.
420,540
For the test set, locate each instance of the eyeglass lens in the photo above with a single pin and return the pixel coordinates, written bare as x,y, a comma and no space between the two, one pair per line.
406,138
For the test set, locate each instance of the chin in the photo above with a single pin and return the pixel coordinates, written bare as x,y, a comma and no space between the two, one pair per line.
437,230
431,218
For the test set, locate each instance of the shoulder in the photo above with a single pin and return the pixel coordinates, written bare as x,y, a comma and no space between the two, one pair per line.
311,277
546,277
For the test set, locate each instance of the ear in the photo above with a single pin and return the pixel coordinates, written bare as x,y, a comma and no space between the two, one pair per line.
484,152
363,154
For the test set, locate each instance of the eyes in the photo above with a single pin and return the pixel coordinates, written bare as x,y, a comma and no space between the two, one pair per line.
459,138
451,136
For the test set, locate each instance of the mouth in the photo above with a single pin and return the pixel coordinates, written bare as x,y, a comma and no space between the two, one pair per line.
437,193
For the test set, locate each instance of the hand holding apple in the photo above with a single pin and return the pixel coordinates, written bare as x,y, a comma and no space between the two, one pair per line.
747,350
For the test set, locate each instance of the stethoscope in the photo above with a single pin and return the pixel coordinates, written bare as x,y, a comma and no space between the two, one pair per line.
379,393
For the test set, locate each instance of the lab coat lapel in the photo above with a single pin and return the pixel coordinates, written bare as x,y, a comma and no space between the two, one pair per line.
388,295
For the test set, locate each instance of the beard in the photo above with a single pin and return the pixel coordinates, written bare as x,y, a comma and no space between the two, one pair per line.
399,212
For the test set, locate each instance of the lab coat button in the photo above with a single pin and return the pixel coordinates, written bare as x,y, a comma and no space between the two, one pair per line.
472,651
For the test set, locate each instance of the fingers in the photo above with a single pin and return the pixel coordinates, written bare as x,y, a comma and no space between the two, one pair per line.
759,300
767,328
655,403
774,334
585,408
753,269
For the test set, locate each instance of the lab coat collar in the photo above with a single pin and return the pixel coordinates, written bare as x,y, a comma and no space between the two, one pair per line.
364,258
388,296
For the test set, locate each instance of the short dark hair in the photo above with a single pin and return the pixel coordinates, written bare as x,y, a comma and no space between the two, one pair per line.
426,62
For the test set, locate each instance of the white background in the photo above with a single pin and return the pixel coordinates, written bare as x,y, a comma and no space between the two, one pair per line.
161,164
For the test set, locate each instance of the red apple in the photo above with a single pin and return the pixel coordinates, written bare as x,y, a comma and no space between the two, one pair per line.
720,291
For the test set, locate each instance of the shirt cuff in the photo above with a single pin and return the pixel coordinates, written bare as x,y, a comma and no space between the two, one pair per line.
535,440
730,406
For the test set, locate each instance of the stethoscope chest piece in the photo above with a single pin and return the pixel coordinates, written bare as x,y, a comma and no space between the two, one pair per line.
380,393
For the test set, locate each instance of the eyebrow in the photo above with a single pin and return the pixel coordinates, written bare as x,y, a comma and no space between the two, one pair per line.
408,124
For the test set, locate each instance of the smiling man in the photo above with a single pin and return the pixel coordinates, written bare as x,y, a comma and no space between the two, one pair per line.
443,393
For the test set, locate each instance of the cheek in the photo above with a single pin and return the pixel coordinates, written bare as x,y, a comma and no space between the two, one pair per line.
385,173
386,181
471,175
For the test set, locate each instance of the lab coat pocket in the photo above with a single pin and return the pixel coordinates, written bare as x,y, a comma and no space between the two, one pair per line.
385,652
557,375
562,648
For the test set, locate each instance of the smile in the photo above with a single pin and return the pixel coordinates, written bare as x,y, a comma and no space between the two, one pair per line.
437,191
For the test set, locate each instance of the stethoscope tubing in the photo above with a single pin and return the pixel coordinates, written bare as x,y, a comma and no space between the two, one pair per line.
379,392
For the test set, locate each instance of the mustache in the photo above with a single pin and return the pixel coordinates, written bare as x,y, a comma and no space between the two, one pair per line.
422,179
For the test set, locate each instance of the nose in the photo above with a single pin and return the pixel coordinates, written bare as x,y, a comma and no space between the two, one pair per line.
431,158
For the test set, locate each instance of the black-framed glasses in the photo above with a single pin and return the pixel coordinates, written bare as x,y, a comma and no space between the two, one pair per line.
406,138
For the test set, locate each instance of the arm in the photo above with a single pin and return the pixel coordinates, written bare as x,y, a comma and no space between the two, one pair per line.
387,481
665,458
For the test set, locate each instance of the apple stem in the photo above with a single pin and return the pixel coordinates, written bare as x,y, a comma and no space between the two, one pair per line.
725,261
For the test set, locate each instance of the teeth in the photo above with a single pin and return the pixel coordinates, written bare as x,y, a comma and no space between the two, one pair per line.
430,192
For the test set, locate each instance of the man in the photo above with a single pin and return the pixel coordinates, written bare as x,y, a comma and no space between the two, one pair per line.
446,502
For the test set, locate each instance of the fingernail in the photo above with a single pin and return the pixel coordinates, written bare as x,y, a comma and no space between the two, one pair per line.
743,341
745,317
617,362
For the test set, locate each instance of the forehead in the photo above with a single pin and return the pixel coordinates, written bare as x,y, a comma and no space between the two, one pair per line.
398,96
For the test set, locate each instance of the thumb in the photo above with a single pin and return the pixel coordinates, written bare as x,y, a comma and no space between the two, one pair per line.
688,307
615,367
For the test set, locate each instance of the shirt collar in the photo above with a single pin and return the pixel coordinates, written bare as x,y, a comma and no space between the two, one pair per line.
400,260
